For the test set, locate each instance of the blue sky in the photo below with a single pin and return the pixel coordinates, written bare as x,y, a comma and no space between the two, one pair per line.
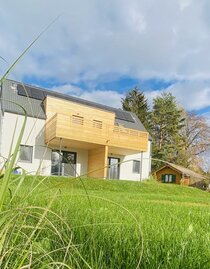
98,50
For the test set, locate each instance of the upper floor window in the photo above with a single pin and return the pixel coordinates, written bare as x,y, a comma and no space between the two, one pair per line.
26,153
77,120
97,124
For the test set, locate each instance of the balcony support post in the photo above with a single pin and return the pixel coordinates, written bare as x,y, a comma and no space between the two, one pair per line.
60,158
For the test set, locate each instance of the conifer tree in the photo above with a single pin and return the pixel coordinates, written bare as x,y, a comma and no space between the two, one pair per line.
136,102
166,123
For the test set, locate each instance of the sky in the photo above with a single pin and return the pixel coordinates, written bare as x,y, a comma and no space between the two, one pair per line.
100,49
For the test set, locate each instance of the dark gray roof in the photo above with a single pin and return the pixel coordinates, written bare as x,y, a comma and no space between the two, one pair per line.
31,98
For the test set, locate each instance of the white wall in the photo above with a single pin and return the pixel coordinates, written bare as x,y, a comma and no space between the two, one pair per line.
82,161
146,164
126,167
33,136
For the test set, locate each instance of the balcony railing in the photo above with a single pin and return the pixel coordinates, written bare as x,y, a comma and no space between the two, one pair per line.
97,132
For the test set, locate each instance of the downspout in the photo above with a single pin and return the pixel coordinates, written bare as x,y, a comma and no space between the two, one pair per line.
150,157
60,158
141,165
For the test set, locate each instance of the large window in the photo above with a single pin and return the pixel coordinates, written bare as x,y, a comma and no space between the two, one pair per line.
136,167
26,153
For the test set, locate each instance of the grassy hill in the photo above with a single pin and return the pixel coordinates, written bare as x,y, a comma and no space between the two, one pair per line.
120,224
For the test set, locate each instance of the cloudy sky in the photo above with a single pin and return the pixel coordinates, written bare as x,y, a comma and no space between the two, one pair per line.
99,49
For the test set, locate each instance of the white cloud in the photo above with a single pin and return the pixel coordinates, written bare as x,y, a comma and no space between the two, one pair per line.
106,97
109,98
92,39
184,4
192,95
142,39
67,89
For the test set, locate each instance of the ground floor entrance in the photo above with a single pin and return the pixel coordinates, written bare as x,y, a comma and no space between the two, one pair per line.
114,168
63,163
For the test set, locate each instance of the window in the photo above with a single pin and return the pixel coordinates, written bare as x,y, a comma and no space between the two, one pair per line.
169,178
136,167
26,153
97,124
77,120
63,163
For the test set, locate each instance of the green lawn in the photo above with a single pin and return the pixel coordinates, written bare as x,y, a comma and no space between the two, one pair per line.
120,224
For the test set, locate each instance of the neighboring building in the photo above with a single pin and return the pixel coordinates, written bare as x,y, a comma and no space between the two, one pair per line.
66,135
171,173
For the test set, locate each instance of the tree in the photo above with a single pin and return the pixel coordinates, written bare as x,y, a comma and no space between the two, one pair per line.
136,102
196,139
166,124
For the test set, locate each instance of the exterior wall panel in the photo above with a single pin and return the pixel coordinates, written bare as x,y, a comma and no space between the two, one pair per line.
97,162
33,136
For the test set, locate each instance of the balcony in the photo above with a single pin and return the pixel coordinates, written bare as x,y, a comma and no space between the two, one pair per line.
92,132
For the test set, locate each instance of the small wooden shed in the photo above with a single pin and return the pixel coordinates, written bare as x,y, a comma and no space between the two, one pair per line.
172,173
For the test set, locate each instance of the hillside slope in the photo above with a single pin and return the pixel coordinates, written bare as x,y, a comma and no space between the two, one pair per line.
120,224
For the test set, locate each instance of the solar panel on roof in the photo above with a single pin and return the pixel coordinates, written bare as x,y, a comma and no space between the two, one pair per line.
31,92
41,94
23,91
119,114
122,115
37,94
128,117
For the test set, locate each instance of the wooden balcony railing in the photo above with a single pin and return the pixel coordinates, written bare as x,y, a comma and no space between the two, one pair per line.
81,129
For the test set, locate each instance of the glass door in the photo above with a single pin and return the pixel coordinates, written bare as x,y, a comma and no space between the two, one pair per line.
63,163
114,168
56,163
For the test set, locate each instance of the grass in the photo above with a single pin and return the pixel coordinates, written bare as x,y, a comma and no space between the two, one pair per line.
119,224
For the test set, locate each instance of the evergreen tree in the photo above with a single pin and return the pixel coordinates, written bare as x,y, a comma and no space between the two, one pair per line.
136,102
166,124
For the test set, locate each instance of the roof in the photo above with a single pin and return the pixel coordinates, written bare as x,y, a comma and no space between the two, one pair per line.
182,170
31,98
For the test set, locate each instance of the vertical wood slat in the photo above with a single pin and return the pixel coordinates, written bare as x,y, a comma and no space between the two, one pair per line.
97,162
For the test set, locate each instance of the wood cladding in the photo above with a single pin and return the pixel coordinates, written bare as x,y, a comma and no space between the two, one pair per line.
78,122
168,171
62,126
97,162
54,105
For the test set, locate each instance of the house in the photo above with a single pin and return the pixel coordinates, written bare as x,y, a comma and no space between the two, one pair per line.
172,173
65,135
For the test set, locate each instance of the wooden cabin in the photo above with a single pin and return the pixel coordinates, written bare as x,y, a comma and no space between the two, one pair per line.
171,173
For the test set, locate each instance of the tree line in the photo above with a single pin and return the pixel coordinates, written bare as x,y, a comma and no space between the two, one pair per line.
178,136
